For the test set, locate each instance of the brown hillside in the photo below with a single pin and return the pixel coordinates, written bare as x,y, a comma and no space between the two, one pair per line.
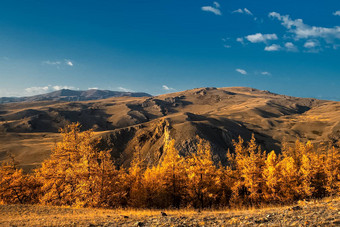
130,124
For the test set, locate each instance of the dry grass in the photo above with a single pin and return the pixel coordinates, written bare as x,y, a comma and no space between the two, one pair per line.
313,213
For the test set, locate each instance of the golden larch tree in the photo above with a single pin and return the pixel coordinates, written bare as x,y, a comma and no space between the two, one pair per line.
202,176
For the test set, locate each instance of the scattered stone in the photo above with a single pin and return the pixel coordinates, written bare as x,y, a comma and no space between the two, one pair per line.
140,223
263,220
164,214
296,208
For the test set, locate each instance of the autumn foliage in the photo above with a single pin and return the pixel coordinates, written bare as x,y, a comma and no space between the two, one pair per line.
79,174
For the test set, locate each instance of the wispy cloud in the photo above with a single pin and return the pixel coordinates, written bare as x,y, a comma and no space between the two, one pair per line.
300,30
225,43
57,87
92,88
242,71
266,73
273,47
68,62
246,12
167,88
311,44
290,47
213,9
124,89
58,63
243,11
259,37
44,89
48,62
336,13
37,90
240,40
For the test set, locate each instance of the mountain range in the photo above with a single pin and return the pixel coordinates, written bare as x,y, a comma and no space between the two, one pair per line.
129,124
73,95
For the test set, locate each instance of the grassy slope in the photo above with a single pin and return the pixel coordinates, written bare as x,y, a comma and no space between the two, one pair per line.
319,213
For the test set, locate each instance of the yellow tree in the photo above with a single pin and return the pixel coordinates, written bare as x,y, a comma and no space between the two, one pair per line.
251,172
291,180
202,176
224,184
76,172
57,173
135,185
15,186
332,171
248,164
99,182
295,168
272,178
173,173
153,189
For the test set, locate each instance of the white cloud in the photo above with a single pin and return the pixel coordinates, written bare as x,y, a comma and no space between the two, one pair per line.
57,87
311,44
92,88
243,11
300,30
266,73
238,11
242,71
68,62
167,88
337,13
45,89
37,90
214,9
259,37
225,44
51,62
273,47
247,11
290,47
240,40
124,89
58,63
217,5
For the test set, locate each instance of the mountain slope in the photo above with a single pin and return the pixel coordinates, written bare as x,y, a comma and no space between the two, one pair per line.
72,95
130,124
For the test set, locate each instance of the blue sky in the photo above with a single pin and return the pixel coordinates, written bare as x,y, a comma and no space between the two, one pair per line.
160,46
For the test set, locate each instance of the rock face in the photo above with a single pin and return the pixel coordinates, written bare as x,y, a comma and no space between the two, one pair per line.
131,124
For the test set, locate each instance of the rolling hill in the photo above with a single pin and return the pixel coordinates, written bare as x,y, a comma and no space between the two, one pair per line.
129,124
73,95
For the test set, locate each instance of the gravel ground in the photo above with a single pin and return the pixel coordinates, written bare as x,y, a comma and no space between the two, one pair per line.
314,213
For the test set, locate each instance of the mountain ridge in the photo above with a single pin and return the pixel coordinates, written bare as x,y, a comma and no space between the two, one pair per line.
130,124
73,95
